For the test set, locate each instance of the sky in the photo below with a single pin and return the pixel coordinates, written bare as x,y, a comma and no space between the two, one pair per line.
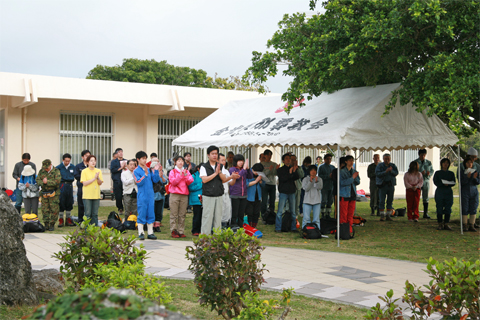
68,38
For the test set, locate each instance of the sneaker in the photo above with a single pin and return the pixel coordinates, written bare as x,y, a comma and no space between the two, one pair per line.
415,220
382,217
70,223
151,237
141,237
181,235
52,227
411,220
196,234
389,218
447,227
60,222
156,229
175,234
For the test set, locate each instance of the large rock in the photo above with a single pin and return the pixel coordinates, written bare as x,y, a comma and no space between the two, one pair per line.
48,281
16,285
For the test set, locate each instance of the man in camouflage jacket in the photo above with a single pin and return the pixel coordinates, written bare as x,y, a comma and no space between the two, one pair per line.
49,179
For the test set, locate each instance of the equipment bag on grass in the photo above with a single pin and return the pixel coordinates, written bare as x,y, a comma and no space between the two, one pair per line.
33,226
328,225
311,231
114,222
358,221
287,221
271,216
345,232
131,222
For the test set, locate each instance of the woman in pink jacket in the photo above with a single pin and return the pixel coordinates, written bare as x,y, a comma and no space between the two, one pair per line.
413,182
179,180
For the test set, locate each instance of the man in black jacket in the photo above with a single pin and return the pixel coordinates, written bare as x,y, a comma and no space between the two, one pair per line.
117,166
286,188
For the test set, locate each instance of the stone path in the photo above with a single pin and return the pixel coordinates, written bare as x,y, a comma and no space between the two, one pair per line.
339,277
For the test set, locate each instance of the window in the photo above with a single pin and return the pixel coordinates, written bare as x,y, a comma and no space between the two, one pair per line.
171,128
302,153
365,157
86,131
402,158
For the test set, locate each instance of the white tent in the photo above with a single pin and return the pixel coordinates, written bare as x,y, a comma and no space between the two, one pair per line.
347,119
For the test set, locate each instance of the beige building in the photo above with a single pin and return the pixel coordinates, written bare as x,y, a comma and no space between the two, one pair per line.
49,116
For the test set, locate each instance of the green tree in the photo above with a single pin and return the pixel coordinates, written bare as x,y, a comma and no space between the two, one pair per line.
160,72
430,46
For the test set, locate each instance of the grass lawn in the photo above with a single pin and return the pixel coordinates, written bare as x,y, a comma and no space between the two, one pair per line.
399,239
185,300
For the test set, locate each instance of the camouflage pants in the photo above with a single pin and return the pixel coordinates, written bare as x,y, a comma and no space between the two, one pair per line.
50,209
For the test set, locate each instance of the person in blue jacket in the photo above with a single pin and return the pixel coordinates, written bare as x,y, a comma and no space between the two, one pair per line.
349,179
67,170
194,199
254,195
145,196
469,179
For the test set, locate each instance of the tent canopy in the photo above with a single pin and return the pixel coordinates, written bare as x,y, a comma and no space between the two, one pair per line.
348,118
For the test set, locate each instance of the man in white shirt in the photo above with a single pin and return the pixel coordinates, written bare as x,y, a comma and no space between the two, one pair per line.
212,191
227,203
129,189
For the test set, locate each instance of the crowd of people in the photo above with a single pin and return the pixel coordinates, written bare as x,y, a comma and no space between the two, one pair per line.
225,189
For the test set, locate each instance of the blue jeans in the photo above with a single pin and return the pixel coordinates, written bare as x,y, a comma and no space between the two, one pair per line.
307,208
281,204
18,202
91,210
386,192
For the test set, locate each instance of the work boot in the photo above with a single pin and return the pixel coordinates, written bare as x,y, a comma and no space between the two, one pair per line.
378,212
60,222
440,226
156,227
323,212
51,227
471,228
382,215
19,209
389,217
425,211
446,227
373,212
69,222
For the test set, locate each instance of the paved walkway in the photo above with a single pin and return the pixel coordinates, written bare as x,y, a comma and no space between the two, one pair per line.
340,277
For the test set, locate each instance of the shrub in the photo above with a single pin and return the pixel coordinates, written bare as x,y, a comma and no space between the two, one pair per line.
88,246
453,292
128,276
255,308
88,303
226,265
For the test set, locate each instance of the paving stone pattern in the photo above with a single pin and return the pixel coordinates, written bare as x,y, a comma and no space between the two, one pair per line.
339,277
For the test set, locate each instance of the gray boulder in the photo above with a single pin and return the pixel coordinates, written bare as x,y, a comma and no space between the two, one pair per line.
16,285
48,281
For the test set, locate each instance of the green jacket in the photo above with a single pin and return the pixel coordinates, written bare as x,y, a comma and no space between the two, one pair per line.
53,179
427,166
371,174
298,182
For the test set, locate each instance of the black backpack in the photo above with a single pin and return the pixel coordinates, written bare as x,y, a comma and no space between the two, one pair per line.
311,231
345,232
115,222
271,216
328,225
33,226
286,221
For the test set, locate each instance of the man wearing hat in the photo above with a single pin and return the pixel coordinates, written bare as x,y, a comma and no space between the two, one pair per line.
473,153
17,174
426,169
117,166
49,179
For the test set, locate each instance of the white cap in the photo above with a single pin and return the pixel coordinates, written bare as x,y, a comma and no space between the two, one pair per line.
472,152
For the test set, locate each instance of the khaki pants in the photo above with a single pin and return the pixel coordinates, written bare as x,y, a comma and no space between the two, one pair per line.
212,213
178,211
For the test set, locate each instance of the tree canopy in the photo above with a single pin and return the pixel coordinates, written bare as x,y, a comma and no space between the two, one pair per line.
160,72
431,47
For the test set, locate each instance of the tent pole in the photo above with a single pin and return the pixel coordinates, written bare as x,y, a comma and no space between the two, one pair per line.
337,204
459,190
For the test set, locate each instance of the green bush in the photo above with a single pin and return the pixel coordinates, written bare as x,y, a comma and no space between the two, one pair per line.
453,292
128,276
226,265
255,309
88,303
88,246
